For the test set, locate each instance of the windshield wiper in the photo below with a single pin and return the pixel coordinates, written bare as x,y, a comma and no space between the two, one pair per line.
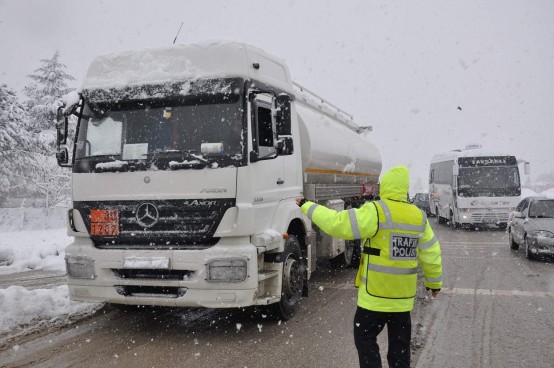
119,166
190,154
191,160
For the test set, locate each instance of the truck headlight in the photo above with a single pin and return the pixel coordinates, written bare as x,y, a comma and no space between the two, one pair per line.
80,267
227,270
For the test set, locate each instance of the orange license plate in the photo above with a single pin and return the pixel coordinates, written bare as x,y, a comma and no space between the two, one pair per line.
104,222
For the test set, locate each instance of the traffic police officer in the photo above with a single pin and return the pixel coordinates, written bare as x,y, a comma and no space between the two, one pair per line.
396,236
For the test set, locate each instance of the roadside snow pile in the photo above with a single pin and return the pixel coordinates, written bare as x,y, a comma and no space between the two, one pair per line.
21,306
526,192
25,310
549,193
33,250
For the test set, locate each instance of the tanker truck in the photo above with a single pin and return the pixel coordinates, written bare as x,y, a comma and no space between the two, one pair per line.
186,163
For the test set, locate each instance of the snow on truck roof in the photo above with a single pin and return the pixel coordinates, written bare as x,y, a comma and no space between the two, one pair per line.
183,63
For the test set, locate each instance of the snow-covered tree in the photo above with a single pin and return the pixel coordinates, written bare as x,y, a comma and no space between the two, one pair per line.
49,180
49,83
17,145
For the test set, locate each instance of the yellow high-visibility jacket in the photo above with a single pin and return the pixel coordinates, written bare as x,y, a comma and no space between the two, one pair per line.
396,237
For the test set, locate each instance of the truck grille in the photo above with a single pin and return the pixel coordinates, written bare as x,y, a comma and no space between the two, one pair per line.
177,224
151,291
154,274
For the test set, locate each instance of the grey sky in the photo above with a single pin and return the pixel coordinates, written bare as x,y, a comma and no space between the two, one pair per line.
403,67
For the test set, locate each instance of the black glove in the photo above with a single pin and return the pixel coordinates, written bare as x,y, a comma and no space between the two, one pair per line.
302,201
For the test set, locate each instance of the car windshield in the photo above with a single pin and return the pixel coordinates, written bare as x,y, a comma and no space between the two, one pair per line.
542,208
488,181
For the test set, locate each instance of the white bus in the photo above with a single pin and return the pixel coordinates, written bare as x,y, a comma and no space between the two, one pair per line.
473,187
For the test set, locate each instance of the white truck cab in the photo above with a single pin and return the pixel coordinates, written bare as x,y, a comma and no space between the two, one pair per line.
185,168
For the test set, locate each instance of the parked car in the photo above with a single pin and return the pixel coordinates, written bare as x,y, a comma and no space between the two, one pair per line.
532,225
422,201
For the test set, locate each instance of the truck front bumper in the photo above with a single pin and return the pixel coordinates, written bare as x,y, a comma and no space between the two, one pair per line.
222,276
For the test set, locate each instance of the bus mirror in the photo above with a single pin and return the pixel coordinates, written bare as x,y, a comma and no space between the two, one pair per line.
527,168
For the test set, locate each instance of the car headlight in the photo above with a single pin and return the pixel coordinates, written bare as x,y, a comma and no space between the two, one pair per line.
543,233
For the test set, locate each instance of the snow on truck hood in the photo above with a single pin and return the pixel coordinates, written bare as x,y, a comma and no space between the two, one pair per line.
182,63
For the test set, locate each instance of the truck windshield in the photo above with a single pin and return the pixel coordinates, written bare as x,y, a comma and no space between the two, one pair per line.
489,181
136,130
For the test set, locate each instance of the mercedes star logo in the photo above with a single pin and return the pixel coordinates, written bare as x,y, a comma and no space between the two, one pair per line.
147,215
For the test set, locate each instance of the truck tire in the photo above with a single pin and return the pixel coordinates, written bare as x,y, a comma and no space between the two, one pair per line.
350,257
293,281
357,253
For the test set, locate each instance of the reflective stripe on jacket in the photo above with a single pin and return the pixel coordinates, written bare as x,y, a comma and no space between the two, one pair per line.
396,235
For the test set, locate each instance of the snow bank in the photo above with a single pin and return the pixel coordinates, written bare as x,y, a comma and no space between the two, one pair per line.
33,250
549,193
20,306
526,192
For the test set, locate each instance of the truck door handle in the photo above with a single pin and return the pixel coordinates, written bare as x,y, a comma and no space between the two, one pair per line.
280,181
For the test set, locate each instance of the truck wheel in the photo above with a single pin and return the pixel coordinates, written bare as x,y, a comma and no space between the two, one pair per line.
513,244
350,257
293,281
357,253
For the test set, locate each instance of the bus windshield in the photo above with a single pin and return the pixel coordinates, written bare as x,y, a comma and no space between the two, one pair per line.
489,181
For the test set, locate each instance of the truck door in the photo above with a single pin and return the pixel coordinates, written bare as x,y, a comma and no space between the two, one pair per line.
267,167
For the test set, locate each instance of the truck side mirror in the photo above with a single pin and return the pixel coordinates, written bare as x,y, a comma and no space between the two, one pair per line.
62,123
283,115
254,157
68,105
285,146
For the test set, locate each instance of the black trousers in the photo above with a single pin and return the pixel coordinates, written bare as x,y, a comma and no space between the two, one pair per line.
368,324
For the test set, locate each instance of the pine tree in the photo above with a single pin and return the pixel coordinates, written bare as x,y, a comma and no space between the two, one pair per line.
17,145
49,83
